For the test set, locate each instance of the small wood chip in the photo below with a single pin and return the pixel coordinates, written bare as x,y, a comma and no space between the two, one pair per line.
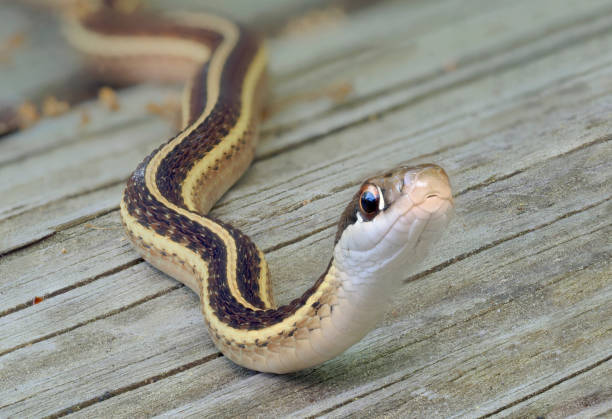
314,20
53,107
450,66
108,98
8,47
27,114
170,110
85,119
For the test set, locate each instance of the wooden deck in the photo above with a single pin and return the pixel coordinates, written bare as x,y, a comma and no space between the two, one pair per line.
512,317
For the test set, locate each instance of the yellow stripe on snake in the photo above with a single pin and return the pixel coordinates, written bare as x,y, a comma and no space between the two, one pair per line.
389,224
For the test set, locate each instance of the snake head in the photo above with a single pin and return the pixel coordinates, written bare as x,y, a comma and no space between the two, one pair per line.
392,222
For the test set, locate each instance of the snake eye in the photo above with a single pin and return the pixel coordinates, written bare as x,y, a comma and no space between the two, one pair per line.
369,200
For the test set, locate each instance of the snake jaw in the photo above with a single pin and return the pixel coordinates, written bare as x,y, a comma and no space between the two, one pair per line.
418,206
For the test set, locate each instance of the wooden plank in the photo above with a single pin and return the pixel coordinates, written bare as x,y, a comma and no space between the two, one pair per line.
68,136
111,343
19,230
83,305
71,258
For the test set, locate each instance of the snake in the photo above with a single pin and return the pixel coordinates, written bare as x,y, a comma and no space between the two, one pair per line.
391,222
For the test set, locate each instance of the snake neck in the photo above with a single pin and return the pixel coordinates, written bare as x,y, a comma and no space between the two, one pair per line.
332,315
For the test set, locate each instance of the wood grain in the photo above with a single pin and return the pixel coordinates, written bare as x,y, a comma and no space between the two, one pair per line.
509,318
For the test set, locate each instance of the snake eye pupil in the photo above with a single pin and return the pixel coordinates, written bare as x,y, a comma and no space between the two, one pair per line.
369,200
369,203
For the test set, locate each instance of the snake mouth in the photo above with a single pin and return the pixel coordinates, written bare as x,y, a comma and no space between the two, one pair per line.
426,183
420,210
425,207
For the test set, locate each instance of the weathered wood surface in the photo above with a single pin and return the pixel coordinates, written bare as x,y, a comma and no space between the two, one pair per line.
512,316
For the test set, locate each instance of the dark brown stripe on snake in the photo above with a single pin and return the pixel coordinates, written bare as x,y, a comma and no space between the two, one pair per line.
174,168
197,95
152,214
211,249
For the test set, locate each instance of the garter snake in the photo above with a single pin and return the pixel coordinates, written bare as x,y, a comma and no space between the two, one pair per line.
390,223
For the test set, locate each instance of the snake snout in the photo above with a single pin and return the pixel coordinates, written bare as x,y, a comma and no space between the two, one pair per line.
427,183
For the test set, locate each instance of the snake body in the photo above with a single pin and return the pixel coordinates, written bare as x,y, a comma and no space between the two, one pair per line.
389,224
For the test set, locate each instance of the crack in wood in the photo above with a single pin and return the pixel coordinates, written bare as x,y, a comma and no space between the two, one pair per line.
491,180
57,229
96,188
367,393
552,246
60,291
494,243
94,319
130,387
80,137
298,238
12,249
548,387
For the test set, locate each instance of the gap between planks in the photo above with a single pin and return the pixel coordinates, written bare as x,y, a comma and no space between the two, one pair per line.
109,394
548,387
487,415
